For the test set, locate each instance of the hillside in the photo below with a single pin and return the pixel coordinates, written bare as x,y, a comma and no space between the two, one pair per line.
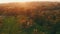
16,8
30,18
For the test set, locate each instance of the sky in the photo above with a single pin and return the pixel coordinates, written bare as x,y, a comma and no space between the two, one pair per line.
7,1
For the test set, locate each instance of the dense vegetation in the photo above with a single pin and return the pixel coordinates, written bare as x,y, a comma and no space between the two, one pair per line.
30,18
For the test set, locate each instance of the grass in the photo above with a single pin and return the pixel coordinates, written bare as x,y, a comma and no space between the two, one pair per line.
11,26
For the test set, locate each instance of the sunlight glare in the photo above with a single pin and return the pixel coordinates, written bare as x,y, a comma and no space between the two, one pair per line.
7,1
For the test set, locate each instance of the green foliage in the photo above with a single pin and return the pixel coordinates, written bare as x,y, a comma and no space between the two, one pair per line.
11,26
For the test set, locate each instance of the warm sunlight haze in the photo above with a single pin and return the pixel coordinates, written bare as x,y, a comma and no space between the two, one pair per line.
7,1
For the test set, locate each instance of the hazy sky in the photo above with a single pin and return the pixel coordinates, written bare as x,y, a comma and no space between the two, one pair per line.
6,1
